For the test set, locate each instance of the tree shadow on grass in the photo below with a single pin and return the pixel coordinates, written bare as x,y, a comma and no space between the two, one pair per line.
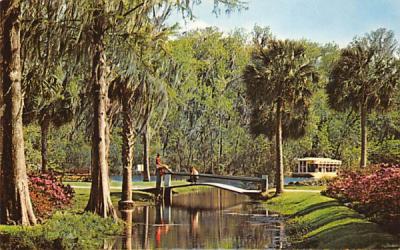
136,196
317,206
350,235
320,221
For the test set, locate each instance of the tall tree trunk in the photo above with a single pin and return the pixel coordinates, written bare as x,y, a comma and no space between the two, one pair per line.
190,157
127,153
146,160
165,142
44,130
278,148
1,100
212,153
364,158
100,199
179,152
220,144
15,202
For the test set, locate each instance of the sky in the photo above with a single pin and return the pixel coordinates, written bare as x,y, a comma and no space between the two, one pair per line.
321,21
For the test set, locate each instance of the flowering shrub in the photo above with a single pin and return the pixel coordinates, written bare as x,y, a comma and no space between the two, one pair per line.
374,192
48,194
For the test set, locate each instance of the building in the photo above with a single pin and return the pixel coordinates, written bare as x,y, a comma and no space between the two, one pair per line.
316,167
138,168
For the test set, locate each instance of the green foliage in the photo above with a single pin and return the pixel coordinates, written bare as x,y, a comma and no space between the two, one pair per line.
206,119
68,148
279,75
386,152
61,231
365,74
32,147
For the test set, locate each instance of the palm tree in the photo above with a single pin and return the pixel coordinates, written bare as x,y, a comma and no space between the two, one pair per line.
364,78
278,85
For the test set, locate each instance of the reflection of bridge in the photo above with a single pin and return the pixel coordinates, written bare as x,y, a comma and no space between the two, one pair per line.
242,185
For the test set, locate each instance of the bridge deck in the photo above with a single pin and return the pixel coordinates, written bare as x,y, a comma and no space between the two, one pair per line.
209,184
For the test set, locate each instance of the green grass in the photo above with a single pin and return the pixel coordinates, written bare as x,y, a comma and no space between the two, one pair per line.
190,189
302,187
316,221
118,184
82,196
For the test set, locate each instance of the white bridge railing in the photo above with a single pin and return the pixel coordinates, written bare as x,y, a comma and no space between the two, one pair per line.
261,180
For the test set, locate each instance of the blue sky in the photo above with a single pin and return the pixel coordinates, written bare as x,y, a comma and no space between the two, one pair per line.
317,20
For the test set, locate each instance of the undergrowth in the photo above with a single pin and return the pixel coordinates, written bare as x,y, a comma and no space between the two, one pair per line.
61,231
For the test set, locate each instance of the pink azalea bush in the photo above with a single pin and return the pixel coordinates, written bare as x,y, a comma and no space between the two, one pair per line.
374,191
48,194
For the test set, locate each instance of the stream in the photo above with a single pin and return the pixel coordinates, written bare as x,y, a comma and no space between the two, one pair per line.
209,219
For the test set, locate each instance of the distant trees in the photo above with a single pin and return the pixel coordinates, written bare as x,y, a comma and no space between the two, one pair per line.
279,82
205,125
364,78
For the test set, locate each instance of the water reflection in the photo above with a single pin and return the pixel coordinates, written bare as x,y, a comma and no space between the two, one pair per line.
126,215
217,220
162,224
145,235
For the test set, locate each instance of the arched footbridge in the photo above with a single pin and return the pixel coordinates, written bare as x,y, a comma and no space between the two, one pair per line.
237,184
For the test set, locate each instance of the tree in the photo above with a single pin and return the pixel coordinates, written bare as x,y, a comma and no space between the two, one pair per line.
47,68
15,202
364,78
104,21
279,88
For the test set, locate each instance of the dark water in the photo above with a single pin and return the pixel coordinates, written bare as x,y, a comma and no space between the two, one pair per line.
214,219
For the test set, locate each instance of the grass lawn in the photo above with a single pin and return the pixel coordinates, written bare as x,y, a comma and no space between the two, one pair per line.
82,196
140,198
118,184
113,184
316,221
190,189
292,187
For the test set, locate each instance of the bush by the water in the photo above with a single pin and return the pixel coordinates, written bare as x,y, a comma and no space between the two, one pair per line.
48,194
323,181
374,192
62,231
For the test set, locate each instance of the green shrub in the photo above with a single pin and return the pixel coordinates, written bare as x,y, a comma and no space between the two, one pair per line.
62,231
386,152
